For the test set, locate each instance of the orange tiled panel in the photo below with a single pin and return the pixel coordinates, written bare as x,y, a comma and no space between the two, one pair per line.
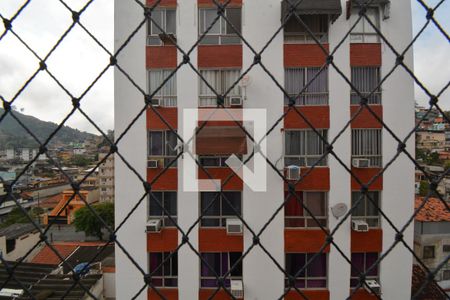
234,184
210,3
164,241
365,175
205,294
304,55
365,55
318,116
161,57
310,294
433,211
317,180
168,293
169,114
168,181
362,294
48,257
371,241
217,240
304,240
162,3
365,119
220,56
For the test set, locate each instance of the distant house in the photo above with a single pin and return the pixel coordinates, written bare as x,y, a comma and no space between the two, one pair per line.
16,240
430,140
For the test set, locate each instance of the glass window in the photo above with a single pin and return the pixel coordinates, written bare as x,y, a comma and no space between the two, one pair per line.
364,32
221,82
164,269
366,81
162,205
215,265
215,161
316,81
216,208
366,210
162,145
366,144
166,91
305,148
428,252
164,21
221,31
362,262
309,270
296,32
297,216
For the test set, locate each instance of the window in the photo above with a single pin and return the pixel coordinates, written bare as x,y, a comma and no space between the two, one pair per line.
366,144
363,31
295,32
428,252
166,20
304,147
366,210
446,275
446,248
317,91
160,201
313,276
295,216
366,81
219,207
166,93
164,269
10,245
221,81
215,161
162,144
219,264
362,262
221,32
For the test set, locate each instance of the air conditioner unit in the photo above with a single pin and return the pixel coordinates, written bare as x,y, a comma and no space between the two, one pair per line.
154,225
235,101
361,163
292,172
237,289
156,102
152,164
360,226
234,226
373,287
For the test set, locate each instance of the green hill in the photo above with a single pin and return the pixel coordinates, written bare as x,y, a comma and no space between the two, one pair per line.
12,135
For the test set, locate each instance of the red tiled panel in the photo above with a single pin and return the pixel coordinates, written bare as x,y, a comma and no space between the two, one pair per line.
220,56
169,114
168,180
217,240
371,241
210,3
317,180
161,57
304,55
365,119
365,175
168,293
205,294
164,241
162,3
304,240
433,210
318,116
365,55
310,294
47,257
362,294
234,184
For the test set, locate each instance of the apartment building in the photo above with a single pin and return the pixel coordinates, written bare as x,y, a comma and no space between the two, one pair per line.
292,236
106,178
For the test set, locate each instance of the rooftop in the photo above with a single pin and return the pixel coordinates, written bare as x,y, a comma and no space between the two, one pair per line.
17,230
434,210
431,292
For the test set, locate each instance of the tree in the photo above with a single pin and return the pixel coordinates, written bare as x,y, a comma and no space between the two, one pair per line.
86,221
17,216
423,188
80,160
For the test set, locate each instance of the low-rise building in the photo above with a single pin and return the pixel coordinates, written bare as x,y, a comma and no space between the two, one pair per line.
106,178
431,140
17,239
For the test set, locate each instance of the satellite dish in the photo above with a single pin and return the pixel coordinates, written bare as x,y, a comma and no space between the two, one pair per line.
339,210
245,81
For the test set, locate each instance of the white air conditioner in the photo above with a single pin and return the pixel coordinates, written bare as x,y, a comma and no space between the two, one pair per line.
152,163
234,226
154,225
156,102
237,289
361,162
373,287
235,101
360,226
292,172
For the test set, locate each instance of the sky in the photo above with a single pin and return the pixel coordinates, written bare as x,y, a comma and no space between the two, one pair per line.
78,60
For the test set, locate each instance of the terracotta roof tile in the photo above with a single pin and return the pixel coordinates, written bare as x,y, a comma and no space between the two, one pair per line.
433,211
431,290
47,256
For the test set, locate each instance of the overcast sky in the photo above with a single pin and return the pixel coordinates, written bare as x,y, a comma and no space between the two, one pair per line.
78,60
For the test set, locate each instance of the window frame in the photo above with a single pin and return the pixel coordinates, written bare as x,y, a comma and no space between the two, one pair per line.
365,202
223,34
365,268
221,272
307,278
166,222
167,100
221,159
164,157
306,218
151,36
363,141
426,255
364,35
376,97
303,37
307,98
209,99
162,269
221,218
305,157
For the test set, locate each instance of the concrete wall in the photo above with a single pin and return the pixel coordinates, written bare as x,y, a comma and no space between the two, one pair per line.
23,245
